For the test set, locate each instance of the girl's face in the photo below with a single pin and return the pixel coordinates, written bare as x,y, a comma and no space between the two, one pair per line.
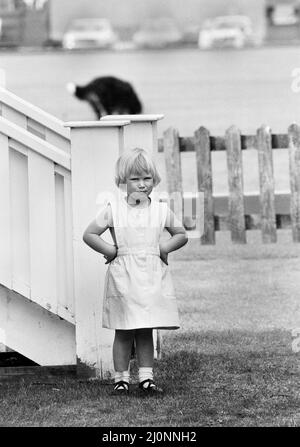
139,186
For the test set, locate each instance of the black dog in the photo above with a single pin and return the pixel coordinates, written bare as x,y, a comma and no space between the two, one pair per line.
108,96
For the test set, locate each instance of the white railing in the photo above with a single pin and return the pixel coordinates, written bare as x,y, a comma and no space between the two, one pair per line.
34,120
36,258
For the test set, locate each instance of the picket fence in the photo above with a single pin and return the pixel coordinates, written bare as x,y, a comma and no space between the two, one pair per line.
202,143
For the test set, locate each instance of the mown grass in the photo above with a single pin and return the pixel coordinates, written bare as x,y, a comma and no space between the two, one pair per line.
231,363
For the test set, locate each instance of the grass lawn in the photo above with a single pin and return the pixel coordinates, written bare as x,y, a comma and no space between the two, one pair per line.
231,363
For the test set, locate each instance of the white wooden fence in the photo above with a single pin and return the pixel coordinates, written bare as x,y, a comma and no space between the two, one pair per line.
51,283
36,273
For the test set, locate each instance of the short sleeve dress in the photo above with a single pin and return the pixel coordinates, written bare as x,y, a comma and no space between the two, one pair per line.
138,291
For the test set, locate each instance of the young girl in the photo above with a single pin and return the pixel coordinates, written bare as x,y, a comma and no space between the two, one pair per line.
139,294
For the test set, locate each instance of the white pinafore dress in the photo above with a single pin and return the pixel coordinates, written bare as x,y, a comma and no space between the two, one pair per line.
138,291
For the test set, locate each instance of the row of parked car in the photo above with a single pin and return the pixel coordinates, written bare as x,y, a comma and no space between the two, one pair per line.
235,31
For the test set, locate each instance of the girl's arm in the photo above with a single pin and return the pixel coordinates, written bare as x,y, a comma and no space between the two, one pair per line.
178,236
92,238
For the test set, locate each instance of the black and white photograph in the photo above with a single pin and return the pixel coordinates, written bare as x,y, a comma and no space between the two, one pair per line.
149,216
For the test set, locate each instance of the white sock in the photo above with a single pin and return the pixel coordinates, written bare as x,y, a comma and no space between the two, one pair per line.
144,374
122,375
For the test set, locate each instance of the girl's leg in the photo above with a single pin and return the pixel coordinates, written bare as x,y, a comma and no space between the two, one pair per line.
145,356
144,347
121,357
122,349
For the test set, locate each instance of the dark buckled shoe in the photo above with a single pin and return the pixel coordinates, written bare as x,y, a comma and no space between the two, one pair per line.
151,388
120,388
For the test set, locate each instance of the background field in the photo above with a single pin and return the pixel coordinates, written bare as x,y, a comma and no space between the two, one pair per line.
190,87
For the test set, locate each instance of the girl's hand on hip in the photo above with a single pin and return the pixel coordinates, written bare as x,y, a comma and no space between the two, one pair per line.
163,254
111,255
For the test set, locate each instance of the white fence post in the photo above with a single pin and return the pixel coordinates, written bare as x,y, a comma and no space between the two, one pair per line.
95,147
142,132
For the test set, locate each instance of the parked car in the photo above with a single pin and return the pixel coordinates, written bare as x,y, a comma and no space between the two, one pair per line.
285,15
235,31
158,33
86,33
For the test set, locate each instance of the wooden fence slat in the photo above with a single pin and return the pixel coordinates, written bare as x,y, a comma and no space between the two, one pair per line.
173,169
5,229
294,160
266,181
69,242
20,251
204,176
64,251
61,264
42,226
235,183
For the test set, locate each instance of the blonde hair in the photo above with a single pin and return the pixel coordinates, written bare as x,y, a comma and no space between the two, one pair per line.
135,161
